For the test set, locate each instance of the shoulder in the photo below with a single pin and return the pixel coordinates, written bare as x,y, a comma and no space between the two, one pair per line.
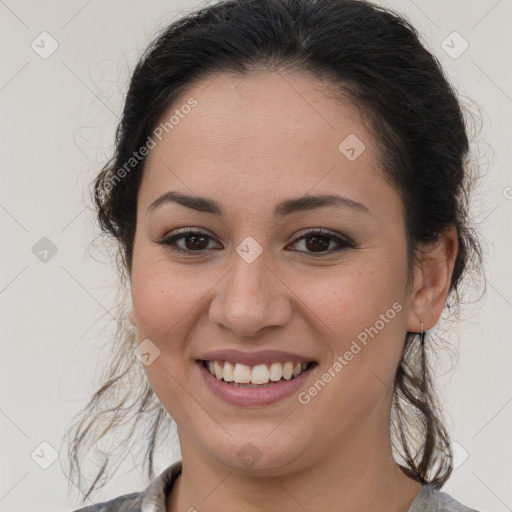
125,503
151,499
432,500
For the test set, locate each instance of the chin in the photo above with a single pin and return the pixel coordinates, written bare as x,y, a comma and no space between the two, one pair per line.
257,455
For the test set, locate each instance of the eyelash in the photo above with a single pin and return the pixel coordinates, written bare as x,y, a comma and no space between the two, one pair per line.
169,242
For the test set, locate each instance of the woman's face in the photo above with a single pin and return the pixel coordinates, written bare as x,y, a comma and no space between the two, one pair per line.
260,278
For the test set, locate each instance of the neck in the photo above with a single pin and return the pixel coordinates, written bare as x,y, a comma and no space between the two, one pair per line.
359,478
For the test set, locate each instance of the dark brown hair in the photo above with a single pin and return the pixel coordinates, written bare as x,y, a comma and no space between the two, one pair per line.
367,53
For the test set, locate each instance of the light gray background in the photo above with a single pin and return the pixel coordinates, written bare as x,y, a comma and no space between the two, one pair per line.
58,117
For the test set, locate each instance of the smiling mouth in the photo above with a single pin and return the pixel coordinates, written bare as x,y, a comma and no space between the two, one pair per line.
260,375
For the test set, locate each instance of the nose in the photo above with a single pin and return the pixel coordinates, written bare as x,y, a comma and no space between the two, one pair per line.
250,299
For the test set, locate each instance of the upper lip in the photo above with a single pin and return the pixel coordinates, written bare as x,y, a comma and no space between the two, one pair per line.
254,358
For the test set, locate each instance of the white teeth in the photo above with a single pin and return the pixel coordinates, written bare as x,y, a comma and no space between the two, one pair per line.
287,370
228,372
241,374
276,371
218,370
260,374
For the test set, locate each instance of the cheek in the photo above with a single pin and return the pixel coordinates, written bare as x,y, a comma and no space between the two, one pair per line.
162,297
163,302
347,300
359,313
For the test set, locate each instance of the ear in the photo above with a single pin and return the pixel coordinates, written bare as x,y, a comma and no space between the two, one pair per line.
132,318
432,278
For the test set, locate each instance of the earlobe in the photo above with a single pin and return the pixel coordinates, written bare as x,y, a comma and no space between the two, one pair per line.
432,280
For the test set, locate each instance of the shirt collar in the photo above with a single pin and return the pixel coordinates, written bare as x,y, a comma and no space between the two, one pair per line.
155,495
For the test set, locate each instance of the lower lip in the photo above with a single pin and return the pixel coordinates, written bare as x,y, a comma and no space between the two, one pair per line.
253,396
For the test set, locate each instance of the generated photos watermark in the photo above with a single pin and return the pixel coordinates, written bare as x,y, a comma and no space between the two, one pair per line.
304,397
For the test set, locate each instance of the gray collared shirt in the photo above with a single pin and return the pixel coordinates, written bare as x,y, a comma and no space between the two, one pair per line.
153,498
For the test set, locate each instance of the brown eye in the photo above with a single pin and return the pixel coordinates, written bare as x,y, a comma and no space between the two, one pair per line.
193,241
319,242
316,242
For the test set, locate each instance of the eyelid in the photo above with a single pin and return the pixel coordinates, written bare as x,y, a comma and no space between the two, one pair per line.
322,231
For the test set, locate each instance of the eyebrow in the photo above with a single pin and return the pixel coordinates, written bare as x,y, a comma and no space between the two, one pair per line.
286,207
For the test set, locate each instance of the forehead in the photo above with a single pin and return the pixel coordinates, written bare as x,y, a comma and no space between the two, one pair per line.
263,107
273,133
